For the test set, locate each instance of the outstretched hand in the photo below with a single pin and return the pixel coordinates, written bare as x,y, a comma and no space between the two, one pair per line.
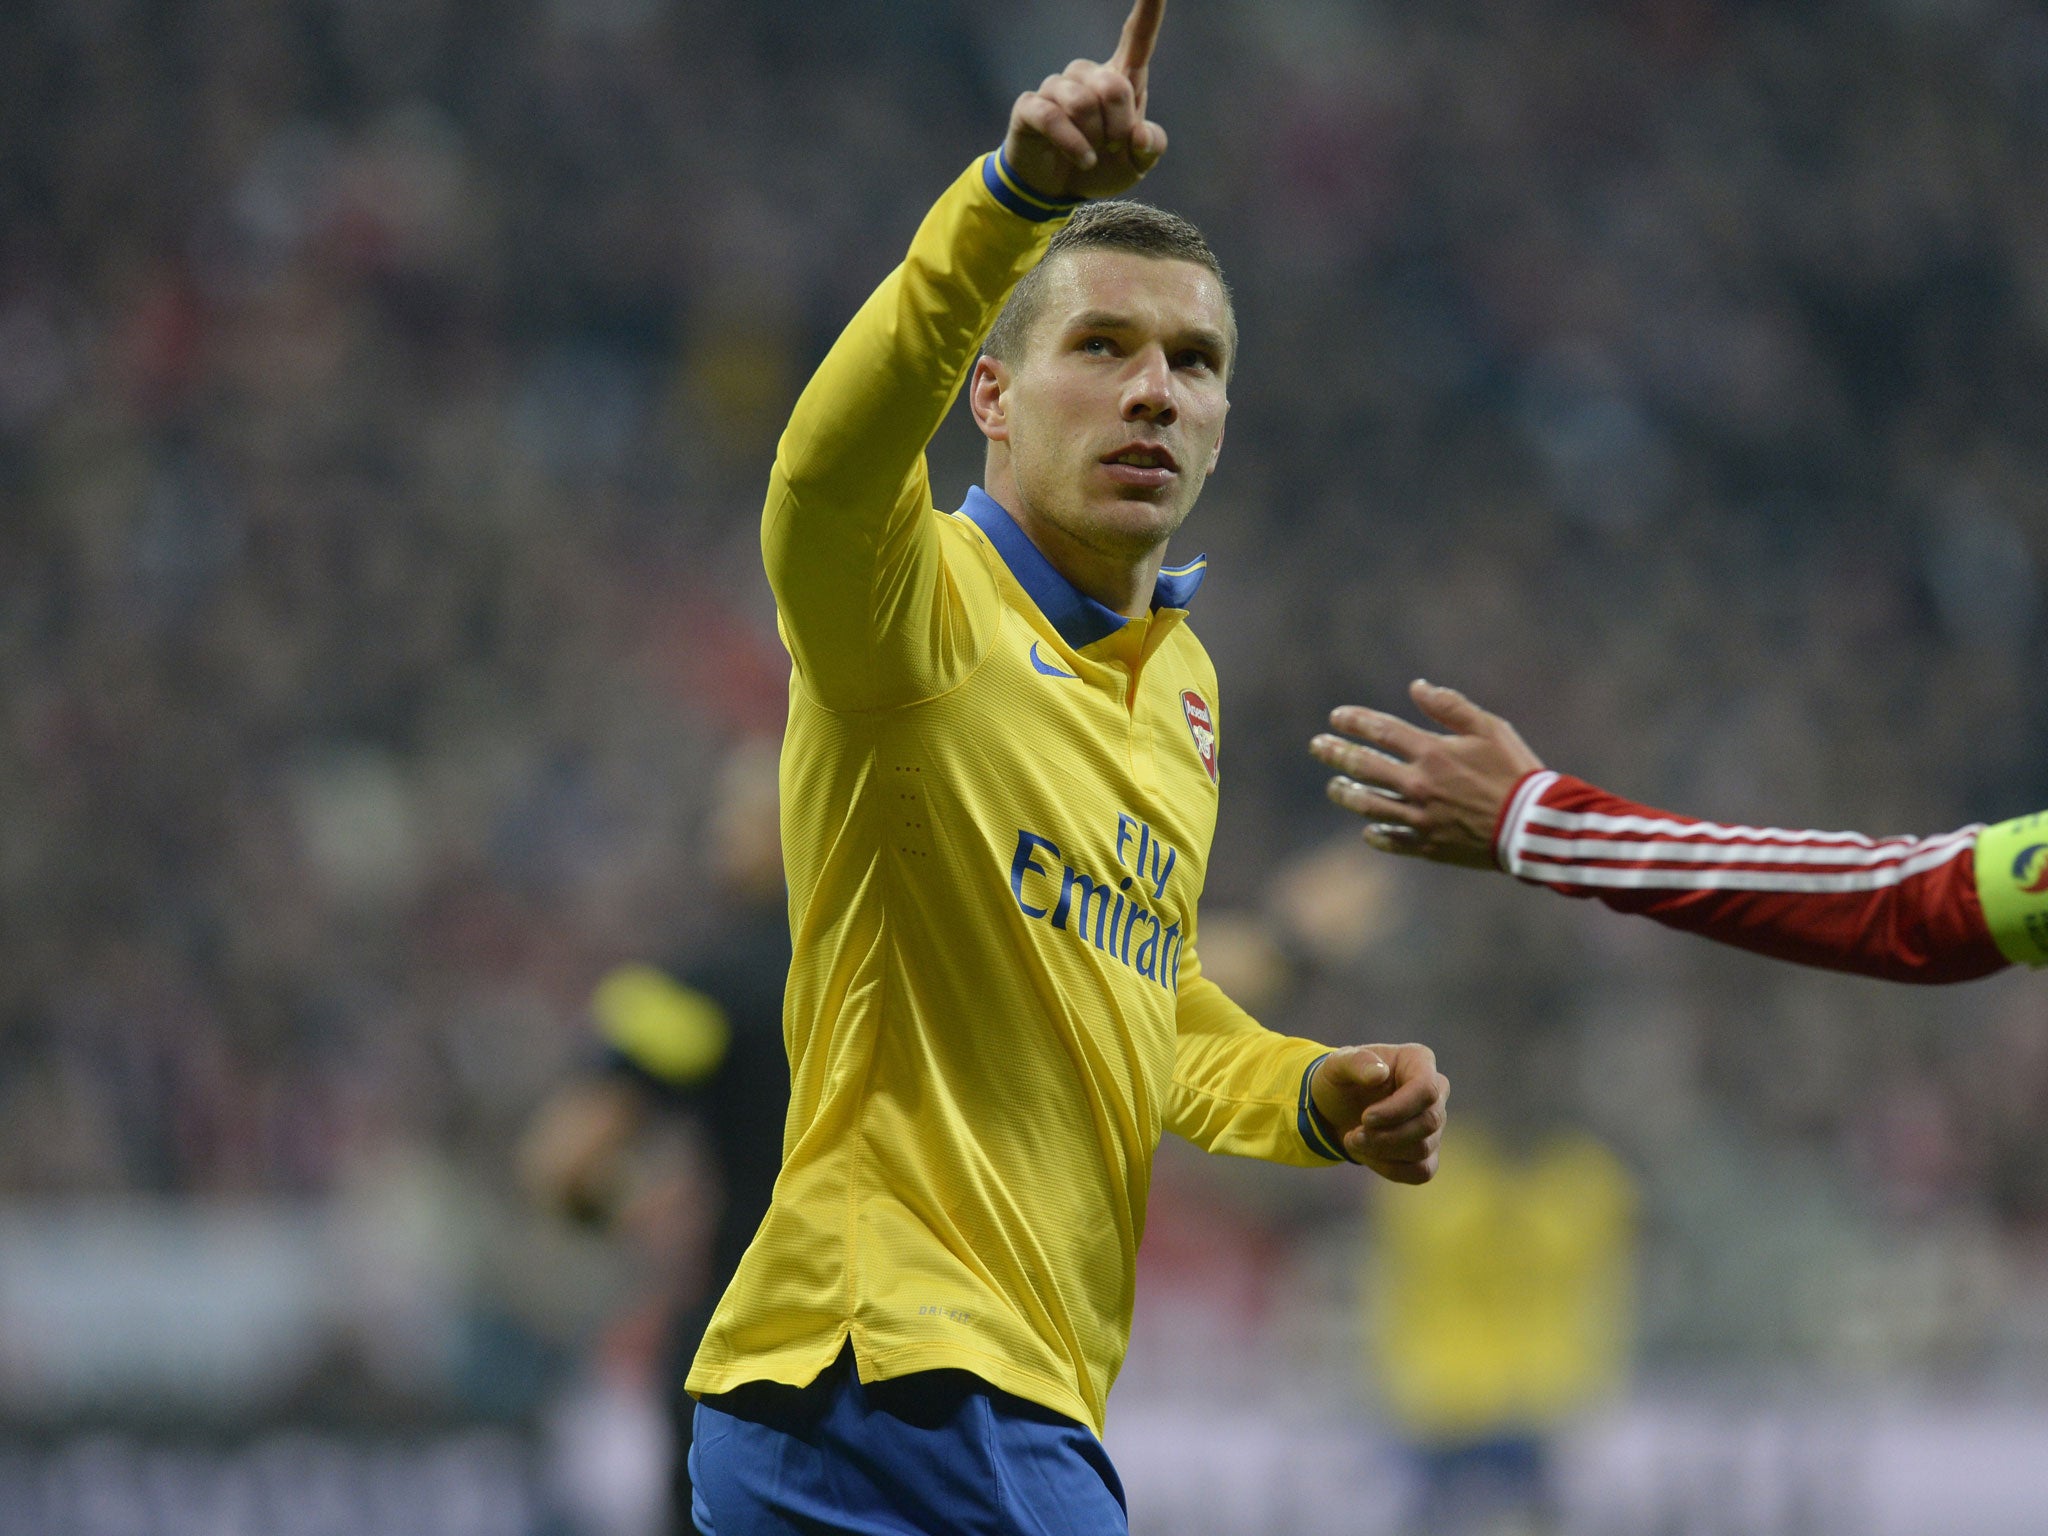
1083,132
1435,796
1387,1105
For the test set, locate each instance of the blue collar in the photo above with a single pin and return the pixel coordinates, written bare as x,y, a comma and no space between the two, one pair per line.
1080,620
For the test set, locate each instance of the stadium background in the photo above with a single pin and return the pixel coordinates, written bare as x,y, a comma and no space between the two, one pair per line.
386,391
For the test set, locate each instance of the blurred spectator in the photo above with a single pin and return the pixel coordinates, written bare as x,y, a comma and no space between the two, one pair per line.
703,1039
1497,1315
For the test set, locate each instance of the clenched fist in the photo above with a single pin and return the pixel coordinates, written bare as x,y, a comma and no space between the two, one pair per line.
1387,1105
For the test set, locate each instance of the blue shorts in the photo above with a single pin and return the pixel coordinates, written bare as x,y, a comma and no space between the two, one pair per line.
936,1452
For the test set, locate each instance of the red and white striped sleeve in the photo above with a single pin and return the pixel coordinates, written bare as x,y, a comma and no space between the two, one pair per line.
1899,908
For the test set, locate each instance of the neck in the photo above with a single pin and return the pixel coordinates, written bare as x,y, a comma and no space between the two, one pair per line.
1119,581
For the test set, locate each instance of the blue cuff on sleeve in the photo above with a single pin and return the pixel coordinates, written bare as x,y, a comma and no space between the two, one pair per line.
1314,1130
1019,199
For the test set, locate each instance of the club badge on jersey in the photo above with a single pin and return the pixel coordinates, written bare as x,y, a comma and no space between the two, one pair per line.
1202,726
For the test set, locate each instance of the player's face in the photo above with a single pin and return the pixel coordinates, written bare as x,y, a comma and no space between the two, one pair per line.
1114,415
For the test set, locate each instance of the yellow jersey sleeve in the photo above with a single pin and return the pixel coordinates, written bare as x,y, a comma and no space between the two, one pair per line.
848,535
1239,1087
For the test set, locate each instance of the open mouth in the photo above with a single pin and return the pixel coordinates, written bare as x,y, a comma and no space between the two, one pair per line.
1143,456
1141,465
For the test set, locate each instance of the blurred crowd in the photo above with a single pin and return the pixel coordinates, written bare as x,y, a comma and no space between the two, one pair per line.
386,395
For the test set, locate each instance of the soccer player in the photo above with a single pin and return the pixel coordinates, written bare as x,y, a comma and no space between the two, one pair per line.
1921,909
999,787
700,1039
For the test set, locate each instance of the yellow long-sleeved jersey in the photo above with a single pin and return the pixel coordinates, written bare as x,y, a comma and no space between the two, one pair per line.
998,798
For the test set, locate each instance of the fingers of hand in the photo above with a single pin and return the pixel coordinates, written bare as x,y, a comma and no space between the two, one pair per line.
1421,1171
1388,838
1140,35
1373,804
1414,1137
1417,1085
1116,102
1370,764
1389,733
1081,103
1148,142
1411,1062
1447,706
1398,1137
1406,1143
1100,106
1405,1149
1048,119
1409,1105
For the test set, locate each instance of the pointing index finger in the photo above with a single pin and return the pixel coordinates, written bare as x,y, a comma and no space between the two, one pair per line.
1134,49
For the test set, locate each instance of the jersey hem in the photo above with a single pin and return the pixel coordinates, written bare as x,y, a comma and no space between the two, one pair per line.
799,1368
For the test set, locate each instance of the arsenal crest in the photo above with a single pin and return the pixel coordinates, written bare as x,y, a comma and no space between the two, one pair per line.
1202,726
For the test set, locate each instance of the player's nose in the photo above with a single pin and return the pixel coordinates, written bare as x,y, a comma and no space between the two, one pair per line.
1148,390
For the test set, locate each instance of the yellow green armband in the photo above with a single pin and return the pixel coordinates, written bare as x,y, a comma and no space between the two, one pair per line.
2012,885
669,1031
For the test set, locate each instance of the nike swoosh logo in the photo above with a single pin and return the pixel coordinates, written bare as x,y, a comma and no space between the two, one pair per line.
1039,663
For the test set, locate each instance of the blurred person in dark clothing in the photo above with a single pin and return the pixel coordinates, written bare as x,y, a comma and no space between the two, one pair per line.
702,1037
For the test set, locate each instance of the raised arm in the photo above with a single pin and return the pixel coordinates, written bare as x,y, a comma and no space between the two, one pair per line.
848,533
1912,909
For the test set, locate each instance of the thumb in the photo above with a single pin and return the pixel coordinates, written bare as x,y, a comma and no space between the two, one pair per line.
1447,706
1359,1066
1148,143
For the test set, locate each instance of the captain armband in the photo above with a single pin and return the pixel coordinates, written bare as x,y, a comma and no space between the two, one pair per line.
2012,886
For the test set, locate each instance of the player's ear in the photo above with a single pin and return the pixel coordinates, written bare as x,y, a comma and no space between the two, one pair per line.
988,397
1215,453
